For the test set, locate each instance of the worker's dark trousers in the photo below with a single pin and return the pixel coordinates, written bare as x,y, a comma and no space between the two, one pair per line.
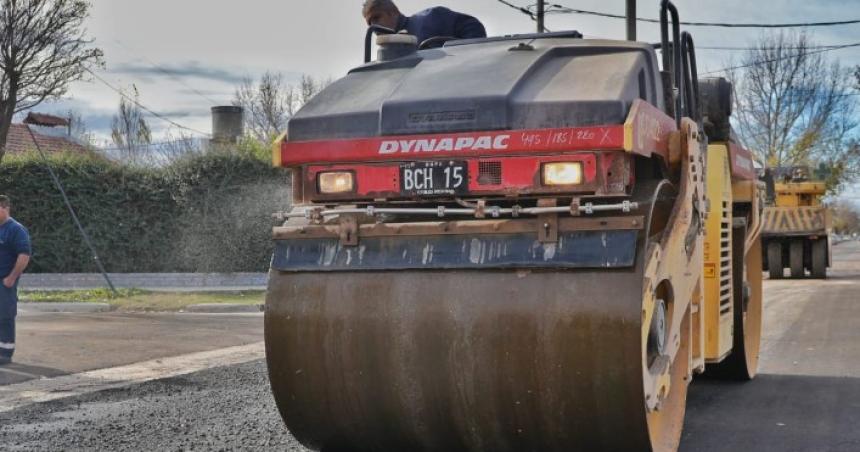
8,311
7,338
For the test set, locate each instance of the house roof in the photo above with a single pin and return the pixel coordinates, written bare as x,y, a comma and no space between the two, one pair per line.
19,141
41,119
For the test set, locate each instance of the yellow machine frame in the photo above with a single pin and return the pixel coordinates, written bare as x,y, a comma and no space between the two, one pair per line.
799,194
724,195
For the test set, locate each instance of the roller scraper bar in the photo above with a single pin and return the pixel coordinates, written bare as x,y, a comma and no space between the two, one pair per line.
442,211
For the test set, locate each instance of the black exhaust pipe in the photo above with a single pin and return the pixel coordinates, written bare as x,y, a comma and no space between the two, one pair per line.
541,14
631,20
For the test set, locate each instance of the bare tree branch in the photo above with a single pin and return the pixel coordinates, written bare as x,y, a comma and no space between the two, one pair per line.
794,108
130,132
78,128
43,48
270,103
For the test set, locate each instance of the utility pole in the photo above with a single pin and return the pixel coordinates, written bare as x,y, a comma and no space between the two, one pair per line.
631,20
541,14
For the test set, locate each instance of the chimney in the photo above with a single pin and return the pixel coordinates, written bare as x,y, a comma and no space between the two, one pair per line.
228,124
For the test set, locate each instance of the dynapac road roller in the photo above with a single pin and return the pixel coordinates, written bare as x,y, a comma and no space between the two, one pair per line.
521,243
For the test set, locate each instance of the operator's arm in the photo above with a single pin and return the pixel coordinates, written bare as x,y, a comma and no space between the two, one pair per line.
23,249
469,27
20,265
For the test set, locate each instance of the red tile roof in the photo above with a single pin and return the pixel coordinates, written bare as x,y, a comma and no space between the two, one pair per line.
19,141
41,119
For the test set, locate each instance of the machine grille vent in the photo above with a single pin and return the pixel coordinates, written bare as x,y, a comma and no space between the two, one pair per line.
726,261
489,173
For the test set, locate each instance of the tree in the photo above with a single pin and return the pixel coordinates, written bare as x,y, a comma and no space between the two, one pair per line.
846,217
78,128
793,107
270,103
43,48
130,133
310,87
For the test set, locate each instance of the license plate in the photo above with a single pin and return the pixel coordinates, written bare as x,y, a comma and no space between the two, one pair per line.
434,178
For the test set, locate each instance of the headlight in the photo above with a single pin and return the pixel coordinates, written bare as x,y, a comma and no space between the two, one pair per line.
336,182
562,173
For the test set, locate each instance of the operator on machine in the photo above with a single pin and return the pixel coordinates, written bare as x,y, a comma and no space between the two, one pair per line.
431,23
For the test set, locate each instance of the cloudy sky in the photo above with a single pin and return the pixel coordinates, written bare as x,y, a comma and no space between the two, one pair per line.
185,56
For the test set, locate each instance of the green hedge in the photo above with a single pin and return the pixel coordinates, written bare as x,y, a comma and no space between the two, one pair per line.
208,213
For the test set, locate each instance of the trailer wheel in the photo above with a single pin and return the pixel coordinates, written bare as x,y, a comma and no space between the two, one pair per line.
774,260
795,256
819,259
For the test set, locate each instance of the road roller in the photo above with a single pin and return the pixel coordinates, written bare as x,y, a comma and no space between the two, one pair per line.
518,243
796,225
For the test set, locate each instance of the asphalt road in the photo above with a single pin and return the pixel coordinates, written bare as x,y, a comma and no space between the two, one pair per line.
807,394
806,398
54,344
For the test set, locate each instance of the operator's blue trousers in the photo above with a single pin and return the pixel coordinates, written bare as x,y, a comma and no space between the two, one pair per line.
7,338
8,312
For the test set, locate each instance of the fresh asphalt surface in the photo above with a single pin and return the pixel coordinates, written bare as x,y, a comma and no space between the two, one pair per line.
53,344
806,398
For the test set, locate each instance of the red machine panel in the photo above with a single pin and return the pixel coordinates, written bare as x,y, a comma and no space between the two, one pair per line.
742,162
607,172
460,145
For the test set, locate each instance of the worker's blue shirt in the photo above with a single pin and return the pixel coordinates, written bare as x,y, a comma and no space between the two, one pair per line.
14,241
441,21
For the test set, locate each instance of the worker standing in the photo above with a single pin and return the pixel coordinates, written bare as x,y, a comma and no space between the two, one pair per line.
15,251
431,23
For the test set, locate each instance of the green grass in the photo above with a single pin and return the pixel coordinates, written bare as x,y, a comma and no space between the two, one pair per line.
79,296
141,300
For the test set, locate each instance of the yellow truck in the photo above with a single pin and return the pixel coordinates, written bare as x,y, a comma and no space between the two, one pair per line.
796,226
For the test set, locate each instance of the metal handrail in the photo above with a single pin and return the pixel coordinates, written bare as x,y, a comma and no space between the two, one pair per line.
368,38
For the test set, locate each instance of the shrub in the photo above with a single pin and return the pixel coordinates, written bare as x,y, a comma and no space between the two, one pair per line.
205,213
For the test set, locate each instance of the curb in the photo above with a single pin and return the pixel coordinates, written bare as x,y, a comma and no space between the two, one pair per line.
66,308
224,308
156,282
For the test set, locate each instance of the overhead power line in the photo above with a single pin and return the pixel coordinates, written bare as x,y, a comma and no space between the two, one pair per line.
142,106
150,145
521,9
166,72
748,48
815,49
741,48
561,9
525,11
773,60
